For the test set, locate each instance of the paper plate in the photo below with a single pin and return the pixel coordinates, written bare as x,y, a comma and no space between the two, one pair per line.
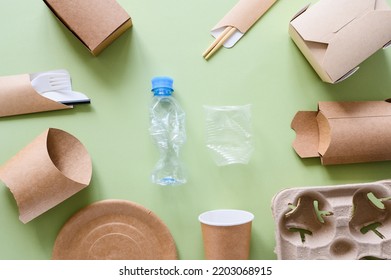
114,230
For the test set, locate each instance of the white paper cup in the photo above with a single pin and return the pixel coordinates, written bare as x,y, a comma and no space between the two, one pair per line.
226,234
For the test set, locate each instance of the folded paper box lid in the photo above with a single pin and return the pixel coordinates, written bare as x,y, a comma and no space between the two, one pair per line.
337,35
97,23
344,132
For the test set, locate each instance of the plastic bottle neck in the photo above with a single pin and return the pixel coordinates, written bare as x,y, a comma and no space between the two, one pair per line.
162,92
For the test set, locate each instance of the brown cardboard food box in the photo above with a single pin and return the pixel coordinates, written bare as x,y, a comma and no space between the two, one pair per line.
344,132
50,169
337,35
351,221
96,23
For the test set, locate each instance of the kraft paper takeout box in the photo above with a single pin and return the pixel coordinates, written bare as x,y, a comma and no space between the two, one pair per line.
344,132
96,23
242,16
50,169
17,96
351,221
337,35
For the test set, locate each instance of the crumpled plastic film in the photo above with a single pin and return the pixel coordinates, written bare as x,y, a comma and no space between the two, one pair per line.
229,134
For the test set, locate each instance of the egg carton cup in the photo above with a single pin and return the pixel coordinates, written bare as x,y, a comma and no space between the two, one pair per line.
350,221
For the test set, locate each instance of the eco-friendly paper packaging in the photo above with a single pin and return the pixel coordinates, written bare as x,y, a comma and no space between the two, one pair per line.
337,35
344,132
242,16
350,221
226,234
114,230
97,23
17,96
47,171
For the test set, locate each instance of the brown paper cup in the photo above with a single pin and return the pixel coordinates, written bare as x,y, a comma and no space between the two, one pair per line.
226,234
49,170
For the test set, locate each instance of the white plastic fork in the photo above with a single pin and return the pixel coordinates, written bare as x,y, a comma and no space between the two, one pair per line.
46,82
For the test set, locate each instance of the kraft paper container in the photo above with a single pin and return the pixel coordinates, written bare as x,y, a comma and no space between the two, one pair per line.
96,23
341,222
50,169
242,16
344,132
114,230
17,97
337,35
226,234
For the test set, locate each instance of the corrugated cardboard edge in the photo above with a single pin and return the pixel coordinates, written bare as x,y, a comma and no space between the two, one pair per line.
17,97
50,169
244,14
95,49
113,216
279,207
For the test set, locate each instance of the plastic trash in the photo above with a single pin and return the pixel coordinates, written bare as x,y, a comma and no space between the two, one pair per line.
167,127
229,134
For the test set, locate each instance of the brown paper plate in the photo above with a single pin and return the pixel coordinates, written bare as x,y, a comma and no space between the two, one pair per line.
116,230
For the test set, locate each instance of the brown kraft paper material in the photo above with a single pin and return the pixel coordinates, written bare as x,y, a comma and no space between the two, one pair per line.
96,23
114,230
226,242
244,14
47,171
344,132
337,35
17,96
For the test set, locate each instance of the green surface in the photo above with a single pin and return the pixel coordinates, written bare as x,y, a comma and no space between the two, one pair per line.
264,69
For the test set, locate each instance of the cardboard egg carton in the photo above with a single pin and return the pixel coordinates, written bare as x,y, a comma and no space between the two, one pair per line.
334,222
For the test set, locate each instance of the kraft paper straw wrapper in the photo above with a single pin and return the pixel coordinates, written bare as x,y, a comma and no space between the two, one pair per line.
17,97
49,170
226,234
344,132
114,230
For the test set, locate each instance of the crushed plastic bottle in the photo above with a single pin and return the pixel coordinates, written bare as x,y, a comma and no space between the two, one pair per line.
167,128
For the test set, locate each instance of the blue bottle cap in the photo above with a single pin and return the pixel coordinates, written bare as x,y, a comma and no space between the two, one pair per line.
162,82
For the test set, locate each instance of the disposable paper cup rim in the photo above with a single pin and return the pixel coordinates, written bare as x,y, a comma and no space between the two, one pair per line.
225,217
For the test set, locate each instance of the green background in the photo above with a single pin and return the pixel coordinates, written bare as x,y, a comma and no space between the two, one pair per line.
264,69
